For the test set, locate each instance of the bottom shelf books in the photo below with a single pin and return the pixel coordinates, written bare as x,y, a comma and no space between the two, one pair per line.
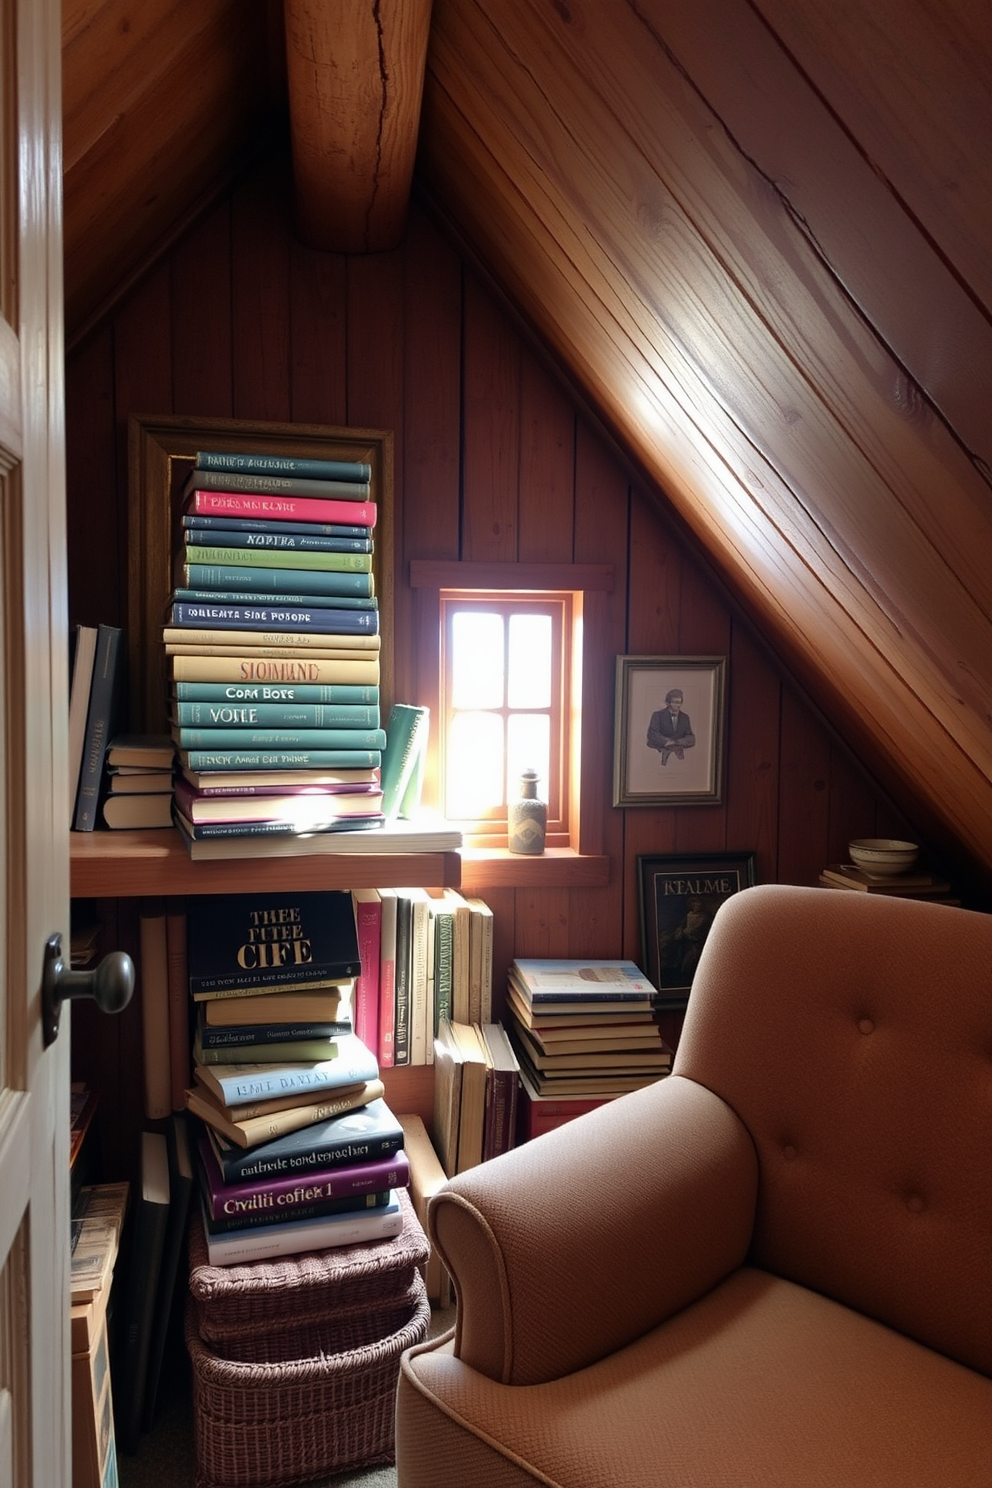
476,1077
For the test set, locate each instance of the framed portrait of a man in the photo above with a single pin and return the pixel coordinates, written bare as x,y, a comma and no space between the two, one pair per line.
679,898
669,731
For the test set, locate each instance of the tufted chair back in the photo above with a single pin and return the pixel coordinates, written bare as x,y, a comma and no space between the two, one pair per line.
852,1035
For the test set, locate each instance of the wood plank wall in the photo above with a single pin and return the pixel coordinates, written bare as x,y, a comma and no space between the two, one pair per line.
493,461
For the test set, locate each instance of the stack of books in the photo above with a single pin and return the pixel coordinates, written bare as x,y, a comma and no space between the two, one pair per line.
583,1030
907,885
273,644
293,1154
139,781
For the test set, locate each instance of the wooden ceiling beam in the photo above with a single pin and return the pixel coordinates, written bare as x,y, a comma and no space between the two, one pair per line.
356,73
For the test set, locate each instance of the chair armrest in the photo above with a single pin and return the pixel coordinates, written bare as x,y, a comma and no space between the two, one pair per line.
569,1247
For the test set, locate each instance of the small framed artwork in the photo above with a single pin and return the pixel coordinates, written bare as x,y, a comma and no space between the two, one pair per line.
669,730
679,897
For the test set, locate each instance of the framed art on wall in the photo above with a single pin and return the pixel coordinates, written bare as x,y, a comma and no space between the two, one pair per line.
679,896
669,730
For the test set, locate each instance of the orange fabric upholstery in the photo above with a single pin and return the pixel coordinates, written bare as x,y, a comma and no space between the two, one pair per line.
773,1267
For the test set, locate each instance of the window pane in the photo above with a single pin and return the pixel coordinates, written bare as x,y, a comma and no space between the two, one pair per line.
477,660
528,747
474,764
529,682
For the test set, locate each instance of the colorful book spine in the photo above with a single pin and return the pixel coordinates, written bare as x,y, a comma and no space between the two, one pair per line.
275,485
272,464
261,556
289,1238
271,580
197,537
340,695
406,730
353,1065
276,715
243,1034
269,827
280,759
282,508
246,597
244,1221
387,977
200,521
281,1195
368,922
225,616
357,1136
249,737
252,668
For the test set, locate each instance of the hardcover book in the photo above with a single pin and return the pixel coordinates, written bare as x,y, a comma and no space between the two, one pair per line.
366,1134
251,1124
406,731
351,1064
149,1224
311,467
272,484
368,919
329,1004
283,508
102,715
282,1194
199,522
240,1247
271,580
250,667
265,940
586,981
281,693
248,617
226,713
260,555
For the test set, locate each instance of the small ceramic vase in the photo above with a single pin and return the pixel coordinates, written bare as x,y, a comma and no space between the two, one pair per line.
526,818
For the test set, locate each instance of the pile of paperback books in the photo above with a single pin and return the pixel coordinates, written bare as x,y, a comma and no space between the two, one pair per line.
298,1150
273,645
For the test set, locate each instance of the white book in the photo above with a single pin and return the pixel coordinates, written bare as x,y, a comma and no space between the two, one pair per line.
262,1242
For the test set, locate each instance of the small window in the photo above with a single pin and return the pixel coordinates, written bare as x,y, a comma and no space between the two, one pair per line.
507,699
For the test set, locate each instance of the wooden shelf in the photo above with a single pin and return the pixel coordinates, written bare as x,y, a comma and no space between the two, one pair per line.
109,865
557,868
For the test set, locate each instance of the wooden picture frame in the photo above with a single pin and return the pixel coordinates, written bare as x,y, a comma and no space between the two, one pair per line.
678,897
161,451
659,760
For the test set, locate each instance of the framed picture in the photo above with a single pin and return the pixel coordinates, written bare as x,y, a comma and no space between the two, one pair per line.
679,897
669,728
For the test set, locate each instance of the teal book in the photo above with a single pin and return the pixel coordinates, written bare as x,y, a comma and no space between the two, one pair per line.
243,596
341,694
249,737
224,714
273,464
237,1084
281,759
406,736
198,537
273,582
224,615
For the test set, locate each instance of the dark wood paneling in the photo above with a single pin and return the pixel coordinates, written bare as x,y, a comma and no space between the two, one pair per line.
492,463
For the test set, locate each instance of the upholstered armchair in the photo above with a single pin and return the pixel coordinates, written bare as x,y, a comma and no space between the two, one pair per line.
773,1268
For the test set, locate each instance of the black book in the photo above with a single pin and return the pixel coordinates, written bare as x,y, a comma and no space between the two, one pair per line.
102,719
149,1220
180,1187
357,1136
254,942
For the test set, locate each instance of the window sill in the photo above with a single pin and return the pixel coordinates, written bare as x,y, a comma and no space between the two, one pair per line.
556,868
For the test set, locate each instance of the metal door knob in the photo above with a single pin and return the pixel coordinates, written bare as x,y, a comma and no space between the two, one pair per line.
110,984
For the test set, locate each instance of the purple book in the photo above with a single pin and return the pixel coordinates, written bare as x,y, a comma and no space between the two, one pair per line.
291,1191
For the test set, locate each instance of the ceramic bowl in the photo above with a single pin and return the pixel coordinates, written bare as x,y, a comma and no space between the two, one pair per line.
883,854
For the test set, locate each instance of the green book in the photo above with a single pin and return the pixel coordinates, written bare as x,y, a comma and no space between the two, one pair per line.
309,558
406,741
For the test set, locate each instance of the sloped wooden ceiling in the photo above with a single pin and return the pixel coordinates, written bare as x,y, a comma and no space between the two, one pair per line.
756,233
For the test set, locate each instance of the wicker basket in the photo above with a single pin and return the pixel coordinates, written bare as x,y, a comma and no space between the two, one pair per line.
320,1286
271,1424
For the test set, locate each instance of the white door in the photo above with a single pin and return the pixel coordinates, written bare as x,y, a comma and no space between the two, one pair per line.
35,1414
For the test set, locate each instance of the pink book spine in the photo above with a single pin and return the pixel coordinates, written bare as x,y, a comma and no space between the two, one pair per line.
368,918
282,508
281,1195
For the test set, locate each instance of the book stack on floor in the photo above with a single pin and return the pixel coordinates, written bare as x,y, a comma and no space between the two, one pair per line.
139,781
273,640
584,1032
299,1150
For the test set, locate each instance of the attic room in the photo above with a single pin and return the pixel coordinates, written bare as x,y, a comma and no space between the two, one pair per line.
687,310
712,313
